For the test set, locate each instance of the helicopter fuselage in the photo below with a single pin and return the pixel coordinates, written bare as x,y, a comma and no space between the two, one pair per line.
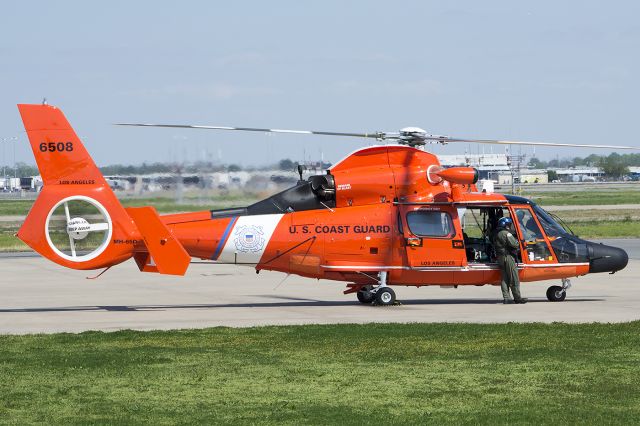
389,212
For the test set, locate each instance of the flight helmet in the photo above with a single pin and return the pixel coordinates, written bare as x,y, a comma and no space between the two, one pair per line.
504,222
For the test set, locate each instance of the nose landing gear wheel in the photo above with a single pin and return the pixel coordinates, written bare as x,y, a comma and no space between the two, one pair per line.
555,293
385,297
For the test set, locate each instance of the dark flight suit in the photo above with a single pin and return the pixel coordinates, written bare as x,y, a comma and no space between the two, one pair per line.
505,245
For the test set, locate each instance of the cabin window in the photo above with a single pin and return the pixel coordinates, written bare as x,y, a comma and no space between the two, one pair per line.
430,223
400,227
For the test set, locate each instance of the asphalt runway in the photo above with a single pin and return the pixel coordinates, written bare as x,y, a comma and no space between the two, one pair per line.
37,296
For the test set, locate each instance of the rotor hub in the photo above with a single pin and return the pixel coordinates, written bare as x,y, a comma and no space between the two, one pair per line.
413,136
78,228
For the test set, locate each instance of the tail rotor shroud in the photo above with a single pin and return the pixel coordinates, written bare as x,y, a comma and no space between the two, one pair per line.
83,223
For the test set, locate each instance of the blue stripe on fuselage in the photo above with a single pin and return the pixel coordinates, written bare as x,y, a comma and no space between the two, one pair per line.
223,239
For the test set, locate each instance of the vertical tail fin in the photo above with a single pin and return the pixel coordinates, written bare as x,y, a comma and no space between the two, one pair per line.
76,221
61,156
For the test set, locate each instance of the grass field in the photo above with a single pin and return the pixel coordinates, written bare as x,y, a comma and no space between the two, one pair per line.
581,197
10,243
621,223
602,229
335,374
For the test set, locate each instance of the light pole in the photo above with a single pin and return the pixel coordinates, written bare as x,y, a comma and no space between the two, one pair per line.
4,176
15,165
4,159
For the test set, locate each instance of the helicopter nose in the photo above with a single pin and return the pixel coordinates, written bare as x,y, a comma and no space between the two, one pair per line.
604,258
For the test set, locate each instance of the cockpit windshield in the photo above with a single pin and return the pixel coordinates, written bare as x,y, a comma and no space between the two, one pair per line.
567,247
550,226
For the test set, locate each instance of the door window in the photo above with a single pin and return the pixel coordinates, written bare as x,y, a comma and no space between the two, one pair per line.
430,223
528,226
535,244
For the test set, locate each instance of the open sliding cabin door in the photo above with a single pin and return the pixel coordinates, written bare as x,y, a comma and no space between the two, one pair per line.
433,239
478,224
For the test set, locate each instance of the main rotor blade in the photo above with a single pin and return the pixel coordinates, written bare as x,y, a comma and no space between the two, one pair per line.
376,135
410,136
504,142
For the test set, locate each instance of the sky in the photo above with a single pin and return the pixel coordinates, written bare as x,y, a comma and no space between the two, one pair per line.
540,71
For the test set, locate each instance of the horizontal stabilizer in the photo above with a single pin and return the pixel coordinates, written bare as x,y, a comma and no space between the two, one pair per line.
165,254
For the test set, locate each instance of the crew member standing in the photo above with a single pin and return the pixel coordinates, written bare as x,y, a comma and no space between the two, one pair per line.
505,246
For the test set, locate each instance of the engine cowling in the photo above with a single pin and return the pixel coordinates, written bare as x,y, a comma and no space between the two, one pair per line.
459,175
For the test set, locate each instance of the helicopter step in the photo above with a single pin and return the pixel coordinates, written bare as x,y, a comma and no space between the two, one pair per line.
557,293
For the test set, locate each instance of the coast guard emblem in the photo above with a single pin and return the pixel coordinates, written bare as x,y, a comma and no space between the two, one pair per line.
249,239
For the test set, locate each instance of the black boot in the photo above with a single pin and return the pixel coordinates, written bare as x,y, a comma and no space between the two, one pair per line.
521,301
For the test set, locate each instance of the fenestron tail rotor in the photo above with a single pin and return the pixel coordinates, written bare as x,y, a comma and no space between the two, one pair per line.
78,228
411,136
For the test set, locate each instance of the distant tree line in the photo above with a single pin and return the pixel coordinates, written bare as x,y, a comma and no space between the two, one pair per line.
286,165
614,164
21,169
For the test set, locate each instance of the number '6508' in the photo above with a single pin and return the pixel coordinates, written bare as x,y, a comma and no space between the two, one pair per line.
56,146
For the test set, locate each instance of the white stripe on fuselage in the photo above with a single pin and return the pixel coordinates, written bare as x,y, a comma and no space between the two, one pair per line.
249,238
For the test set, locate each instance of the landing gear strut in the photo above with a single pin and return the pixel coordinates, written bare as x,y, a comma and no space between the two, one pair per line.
555,293
384,295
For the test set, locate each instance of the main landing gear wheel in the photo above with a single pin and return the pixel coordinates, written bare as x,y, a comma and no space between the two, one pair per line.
365,295
385,296
555,293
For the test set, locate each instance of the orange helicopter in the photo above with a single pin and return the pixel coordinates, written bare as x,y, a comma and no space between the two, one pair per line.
387,215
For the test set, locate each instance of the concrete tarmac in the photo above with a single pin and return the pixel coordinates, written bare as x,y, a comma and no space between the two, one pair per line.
37,296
